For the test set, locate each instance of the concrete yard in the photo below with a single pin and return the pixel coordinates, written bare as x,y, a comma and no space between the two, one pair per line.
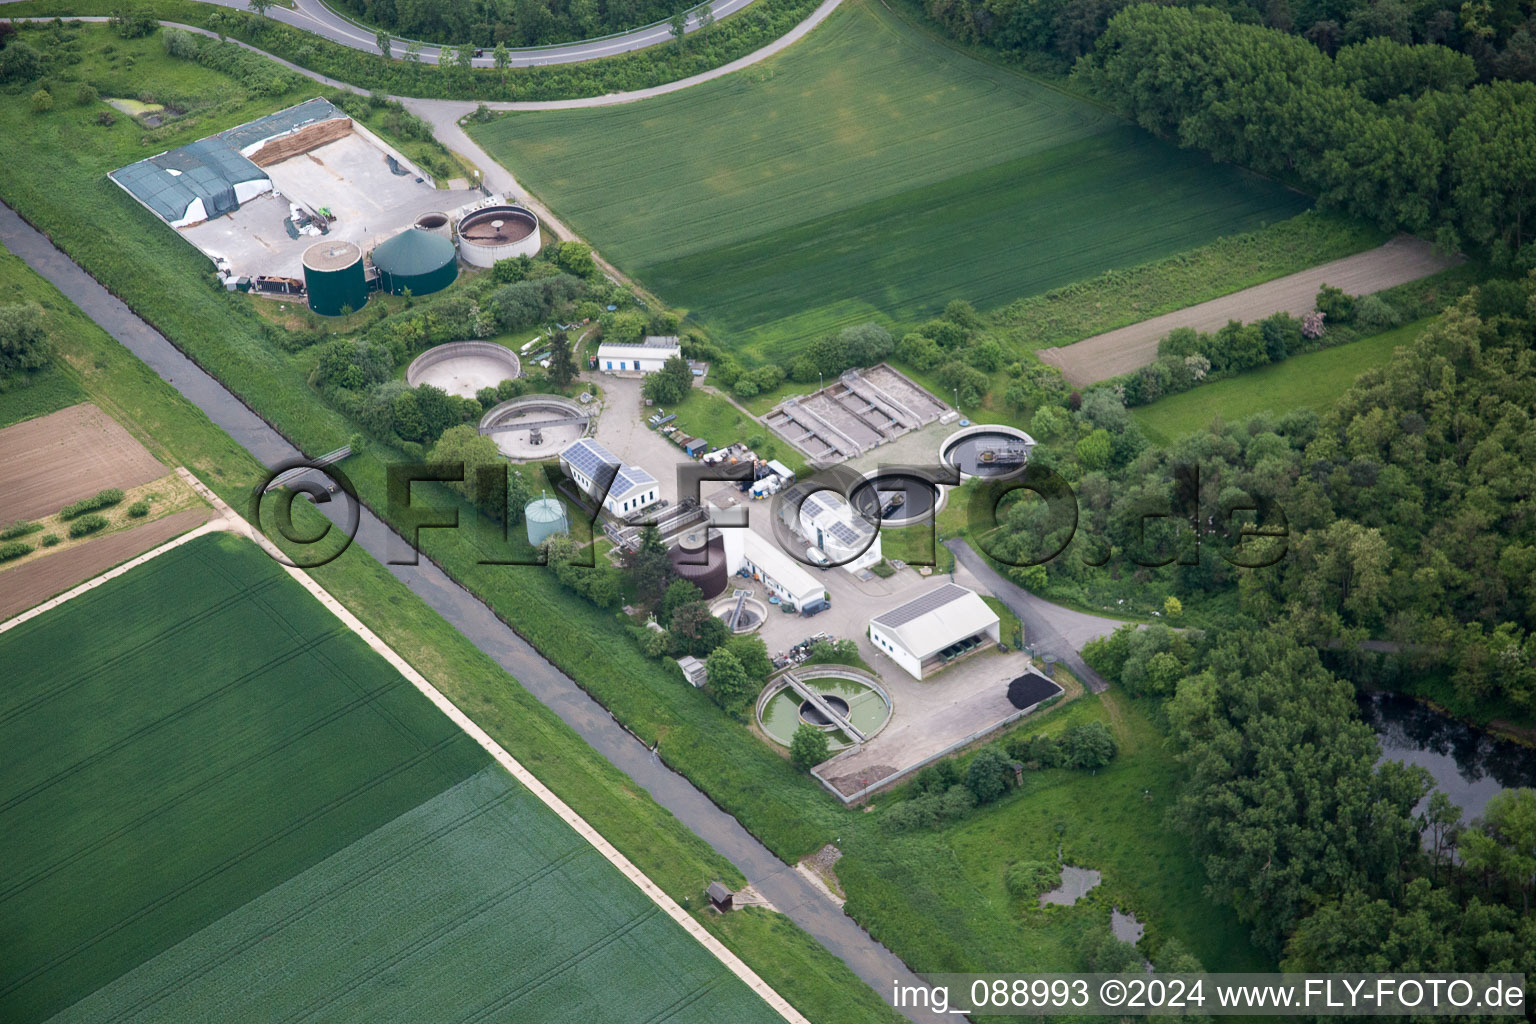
352,178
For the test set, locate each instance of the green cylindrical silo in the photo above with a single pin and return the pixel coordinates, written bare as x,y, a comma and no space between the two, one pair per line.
418,260
333,278
545,517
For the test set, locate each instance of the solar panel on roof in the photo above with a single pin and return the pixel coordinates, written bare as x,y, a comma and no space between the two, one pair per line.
844,533
920,606
588,457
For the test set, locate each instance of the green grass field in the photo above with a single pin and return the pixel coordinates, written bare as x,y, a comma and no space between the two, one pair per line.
869,172
1311,381
228,785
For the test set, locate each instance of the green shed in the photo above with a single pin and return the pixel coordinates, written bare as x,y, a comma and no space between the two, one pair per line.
418,260
333,278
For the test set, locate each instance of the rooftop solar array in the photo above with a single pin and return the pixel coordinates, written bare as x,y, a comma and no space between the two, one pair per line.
629,478
587,456
920,606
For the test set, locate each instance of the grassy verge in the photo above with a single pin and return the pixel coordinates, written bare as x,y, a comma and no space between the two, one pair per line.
1311,381
731,38
677,860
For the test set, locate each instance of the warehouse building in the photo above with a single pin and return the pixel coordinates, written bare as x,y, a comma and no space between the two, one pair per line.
930,631
623,490
646,357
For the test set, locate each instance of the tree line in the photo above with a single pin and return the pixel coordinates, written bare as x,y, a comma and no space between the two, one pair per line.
1498,36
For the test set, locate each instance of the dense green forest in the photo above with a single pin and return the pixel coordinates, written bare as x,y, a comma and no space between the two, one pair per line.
509,22
1498,35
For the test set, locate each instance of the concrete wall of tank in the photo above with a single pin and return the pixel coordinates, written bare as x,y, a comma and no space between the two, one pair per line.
477,255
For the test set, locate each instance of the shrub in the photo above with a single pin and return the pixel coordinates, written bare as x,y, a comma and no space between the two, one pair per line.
986,778
14,549
104,499
1373,313
1027,879
19,63
50,539
85,94
1335,304
809,747
139,509
42,101
87,525
19,530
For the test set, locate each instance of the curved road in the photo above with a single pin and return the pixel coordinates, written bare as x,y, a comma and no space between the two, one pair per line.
314,16
790,892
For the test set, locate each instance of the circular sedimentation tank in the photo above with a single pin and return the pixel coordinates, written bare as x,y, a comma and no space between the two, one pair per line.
416,260
436,222
535,426
991,450
545,517
861,702
699,558
333,278
897,497
464,367
753,613
498,233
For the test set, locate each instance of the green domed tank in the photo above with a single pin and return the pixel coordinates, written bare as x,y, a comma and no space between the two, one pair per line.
545,517
333,278
418,260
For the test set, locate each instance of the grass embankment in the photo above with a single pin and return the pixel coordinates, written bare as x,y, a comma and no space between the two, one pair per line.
1311,381
668,852
950,179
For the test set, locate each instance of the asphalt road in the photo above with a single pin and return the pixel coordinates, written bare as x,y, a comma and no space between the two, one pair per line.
314,16
789,892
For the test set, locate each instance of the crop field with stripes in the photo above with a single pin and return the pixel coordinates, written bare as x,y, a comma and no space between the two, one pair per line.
217,803
868,172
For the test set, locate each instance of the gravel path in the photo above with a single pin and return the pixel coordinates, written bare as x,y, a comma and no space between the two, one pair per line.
1113,353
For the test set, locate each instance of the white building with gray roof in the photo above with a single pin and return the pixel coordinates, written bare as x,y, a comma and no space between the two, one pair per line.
623,490
934,629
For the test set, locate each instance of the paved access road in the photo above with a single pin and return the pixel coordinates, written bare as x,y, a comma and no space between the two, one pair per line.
789,891
1112,353
314,16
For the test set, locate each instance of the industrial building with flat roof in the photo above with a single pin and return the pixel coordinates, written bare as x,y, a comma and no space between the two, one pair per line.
934,629
623,490
647,357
